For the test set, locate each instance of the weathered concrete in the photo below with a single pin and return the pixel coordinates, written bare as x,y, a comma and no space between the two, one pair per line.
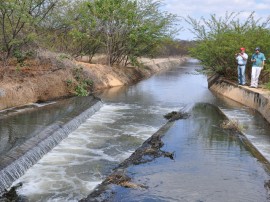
255,98
15,162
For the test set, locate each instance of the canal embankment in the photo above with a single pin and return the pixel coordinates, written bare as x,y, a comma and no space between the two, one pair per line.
55,77
255,98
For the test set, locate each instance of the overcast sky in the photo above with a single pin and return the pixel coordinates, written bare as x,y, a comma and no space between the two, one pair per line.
199,8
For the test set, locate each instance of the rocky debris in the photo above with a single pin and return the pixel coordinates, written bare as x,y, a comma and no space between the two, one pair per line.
11,195
231,125
169,155
173,116
120,178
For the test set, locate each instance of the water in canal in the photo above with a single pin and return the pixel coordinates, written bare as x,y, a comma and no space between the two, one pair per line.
132,114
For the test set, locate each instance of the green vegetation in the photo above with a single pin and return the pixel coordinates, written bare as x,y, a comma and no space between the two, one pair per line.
84,84
18,22
220,38
22,56
123,30
268,85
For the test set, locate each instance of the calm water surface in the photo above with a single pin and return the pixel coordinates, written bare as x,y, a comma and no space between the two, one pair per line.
210,165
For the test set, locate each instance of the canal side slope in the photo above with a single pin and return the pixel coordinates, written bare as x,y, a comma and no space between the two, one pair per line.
52,76
255,98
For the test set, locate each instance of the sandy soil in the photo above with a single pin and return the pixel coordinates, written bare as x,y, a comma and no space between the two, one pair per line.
46,79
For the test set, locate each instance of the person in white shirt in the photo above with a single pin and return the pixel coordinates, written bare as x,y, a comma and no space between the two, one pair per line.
241,66
258,60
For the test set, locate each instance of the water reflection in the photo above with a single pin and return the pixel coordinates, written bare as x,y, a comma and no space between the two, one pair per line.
21,125
209,165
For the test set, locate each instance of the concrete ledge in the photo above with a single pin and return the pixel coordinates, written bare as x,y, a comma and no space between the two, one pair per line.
15,162
258,99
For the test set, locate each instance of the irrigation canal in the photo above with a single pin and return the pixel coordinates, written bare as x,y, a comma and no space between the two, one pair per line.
209,164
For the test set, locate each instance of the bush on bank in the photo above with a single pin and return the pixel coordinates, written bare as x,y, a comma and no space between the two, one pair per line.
219,38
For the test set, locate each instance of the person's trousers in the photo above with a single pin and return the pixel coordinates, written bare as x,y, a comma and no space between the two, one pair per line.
255,73
241,74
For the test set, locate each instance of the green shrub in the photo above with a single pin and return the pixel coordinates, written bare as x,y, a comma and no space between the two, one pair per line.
21,56
84,85
220,38
81,90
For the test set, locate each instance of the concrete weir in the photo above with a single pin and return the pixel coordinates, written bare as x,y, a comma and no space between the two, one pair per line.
17,160
133,177
255,98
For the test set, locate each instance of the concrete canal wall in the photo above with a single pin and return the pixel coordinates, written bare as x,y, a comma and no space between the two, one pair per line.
255,98
15,162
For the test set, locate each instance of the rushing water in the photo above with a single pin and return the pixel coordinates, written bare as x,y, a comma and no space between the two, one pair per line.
128,117
26,137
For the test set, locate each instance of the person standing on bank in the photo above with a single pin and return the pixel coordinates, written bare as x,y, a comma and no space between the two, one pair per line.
258,60
241,66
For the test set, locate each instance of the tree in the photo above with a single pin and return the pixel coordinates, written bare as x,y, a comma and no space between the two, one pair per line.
18,19
218,39
129,29
86,34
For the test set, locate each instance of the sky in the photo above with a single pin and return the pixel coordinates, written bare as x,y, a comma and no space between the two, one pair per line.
204,8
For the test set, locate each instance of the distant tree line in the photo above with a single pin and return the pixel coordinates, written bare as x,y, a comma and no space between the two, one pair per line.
175,48
219,38
123,30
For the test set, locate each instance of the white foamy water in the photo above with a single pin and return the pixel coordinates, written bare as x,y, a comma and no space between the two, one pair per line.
80,162
252,127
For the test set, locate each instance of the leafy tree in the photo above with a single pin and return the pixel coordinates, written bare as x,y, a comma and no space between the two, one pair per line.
17,21
129,29
220,38
86,34
122,29
53,32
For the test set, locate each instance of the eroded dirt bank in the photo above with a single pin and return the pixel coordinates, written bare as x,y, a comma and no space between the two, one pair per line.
255,98
51,79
